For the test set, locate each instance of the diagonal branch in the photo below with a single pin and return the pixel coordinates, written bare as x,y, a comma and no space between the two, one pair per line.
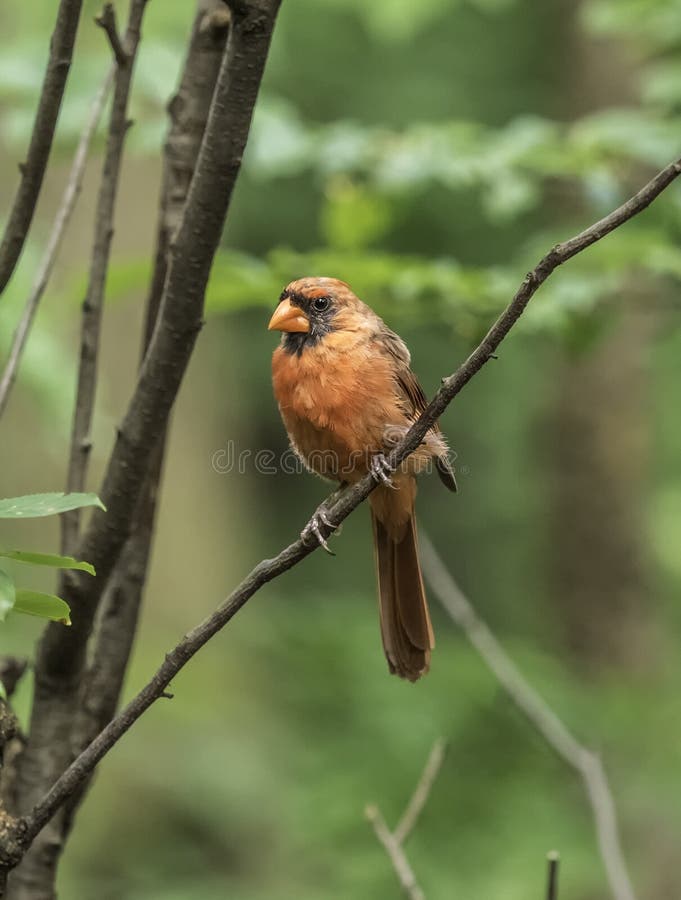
536,709
268,569
33,170
61,221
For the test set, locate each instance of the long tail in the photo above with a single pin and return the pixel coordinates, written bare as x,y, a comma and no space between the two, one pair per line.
405,622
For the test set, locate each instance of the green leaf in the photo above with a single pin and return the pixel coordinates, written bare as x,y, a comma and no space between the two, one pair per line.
7,594
46,606
3,692
33,505
48,559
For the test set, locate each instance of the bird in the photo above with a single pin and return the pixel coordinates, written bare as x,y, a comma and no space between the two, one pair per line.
346,394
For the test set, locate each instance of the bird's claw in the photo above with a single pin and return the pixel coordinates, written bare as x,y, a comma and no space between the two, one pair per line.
313,531
381,470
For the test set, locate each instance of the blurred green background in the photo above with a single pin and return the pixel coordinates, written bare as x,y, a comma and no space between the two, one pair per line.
428,153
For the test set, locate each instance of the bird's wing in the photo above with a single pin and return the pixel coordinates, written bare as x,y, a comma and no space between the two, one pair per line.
411,392
409,389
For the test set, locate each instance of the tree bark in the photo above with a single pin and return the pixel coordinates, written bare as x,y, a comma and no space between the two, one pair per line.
62,652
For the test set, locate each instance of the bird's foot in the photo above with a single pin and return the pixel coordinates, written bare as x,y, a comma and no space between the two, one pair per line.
381,470
313,530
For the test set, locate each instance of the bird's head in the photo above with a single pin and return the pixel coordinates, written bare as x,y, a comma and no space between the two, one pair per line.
309,309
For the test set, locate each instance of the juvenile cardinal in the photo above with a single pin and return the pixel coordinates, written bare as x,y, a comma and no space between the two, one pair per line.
347,394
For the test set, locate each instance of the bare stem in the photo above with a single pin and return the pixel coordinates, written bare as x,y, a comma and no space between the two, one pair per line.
99,267
107,22
553,859
422,791
538,712
68,202
33,170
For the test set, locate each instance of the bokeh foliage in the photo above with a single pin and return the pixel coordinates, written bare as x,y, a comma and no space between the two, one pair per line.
428,153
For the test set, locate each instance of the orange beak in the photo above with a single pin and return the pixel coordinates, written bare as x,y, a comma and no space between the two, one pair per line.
288,317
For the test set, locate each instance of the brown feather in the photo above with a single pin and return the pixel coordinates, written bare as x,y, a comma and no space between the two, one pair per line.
406,629
416,402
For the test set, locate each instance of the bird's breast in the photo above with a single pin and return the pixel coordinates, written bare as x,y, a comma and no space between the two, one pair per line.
335,405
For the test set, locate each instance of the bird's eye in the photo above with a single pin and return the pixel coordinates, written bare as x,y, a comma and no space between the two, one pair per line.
320,304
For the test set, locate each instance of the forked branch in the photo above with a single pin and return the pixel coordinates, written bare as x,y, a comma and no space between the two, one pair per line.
393,841
585,762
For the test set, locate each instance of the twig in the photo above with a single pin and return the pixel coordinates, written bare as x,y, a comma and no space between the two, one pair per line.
539,713
400,863
422,791
553,859
33,170
68,202
101,537
107,21
393,841
99,266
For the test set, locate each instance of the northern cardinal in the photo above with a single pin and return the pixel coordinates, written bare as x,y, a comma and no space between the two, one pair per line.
346,394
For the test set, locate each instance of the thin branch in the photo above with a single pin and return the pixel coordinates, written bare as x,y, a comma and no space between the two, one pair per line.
400,863
607,829
553,859
393,841
268,569
539,713
107,22
422,791
33,170
114,631
68,202
99,267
